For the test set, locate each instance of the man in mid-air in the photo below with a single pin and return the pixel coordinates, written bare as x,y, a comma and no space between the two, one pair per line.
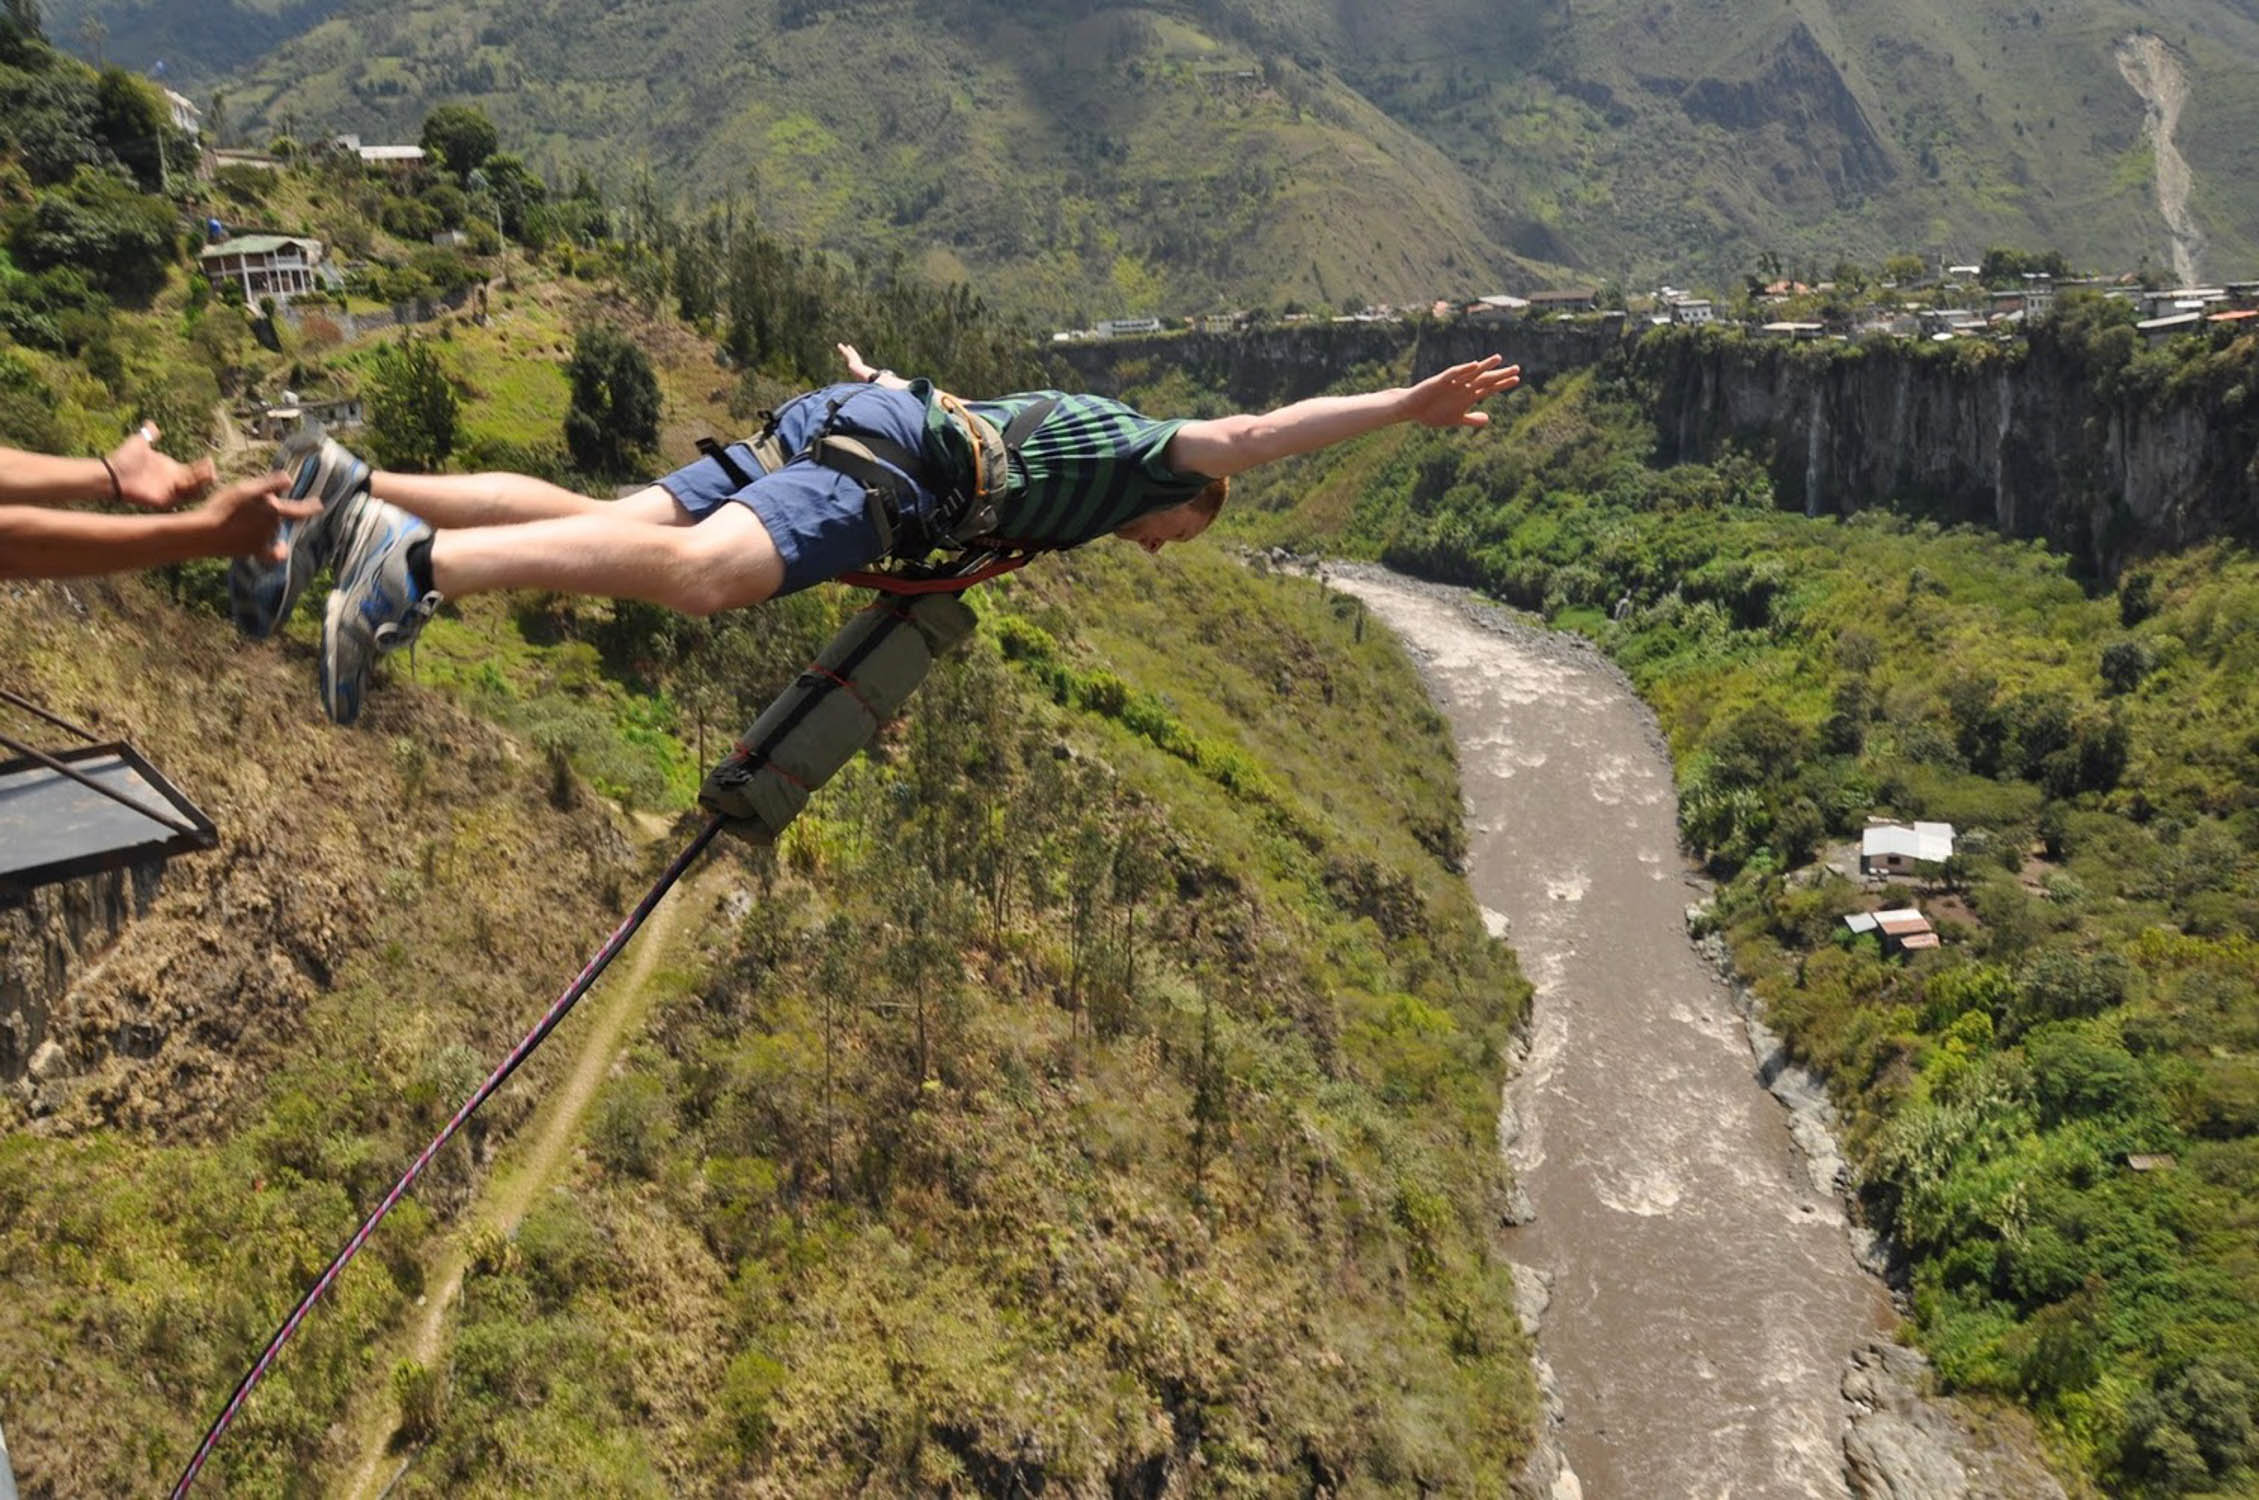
845,476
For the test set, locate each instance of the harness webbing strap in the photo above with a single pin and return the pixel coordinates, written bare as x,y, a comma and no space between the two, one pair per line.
729,466
955,583
495,1080
1027,420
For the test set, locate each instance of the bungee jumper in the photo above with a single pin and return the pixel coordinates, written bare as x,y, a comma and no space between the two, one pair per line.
884,483
841,480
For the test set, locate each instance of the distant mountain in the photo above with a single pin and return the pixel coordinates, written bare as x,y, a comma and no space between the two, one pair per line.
1082,161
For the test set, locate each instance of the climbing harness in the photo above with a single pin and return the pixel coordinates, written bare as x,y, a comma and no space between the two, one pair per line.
857,682
891,474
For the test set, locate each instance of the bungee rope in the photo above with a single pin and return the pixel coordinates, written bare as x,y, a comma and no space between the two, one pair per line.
495,1080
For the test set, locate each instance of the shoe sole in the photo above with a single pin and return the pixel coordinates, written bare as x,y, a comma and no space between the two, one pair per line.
340,700
248,580
370,529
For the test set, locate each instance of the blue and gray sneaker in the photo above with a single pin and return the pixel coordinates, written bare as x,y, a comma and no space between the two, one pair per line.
377,607
260,593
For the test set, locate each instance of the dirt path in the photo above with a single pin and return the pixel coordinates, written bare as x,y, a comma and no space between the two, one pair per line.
608,1018
2150,68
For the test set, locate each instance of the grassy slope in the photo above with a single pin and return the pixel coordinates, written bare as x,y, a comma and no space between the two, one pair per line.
942,1201
386,907
1231,1207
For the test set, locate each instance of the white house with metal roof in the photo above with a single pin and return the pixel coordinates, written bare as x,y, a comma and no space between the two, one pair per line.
264,265
1903,848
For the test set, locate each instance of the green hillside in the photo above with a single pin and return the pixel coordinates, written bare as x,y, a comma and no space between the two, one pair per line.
1095,1092
1079,162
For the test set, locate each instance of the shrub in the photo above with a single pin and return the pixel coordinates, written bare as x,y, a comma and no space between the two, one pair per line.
123,241
2124,664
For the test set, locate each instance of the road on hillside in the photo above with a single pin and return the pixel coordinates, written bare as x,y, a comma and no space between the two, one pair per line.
1705,1298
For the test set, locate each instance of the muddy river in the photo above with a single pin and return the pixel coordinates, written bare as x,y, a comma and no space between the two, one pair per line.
1705,1297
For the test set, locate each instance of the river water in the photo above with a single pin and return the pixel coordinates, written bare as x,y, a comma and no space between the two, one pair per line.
1705,1298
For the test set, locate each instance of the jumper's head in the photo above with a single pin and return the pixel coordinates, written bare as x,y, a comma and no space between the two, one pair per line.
1178,523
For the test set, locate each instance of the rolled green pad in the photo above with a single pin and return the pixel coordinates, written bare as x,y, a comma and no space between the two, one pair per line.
856,683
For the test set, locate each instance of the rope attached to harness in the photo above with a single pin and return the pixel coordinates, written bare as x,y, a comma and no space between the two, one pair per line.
495,1080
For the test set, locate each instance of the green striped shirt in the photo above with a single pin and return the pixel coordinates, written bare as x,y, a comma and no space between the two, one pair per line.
1092,465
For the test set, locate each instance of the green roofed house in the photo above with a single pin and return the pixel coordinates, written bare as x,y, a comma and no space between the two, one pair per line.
264,265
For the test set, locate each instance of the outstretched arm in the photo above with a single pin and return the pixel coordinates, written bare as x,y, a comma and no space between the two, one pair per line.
1227,445
238,521
143,476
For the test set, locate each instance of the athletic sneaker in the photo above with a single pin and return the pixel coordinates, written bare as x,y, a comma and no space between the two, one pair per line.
376,607
261,593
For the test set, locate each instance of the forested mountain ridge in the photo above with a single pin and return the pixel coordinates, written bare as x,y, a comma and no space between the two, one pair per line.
1082,161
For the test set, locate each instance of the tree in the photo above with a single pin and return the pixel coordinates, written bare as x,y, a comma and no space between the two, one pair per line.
614,416
1756,747
2137,598
412,408
2124,664
22,29
1905,269
460,136
131,118
123,241
516,192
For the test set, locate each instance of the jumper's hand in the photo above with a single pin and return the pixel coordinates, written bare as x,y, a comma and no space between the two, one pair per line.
152,481
857,366
1447,398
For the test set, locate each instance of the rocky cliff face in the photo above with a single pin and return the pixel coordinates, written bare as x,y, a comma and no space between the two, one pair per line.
2037,442
2048,440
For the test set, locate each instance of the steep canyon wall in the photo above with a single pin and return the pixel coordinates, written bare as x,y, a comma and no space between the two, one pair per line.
2057,439
2042,441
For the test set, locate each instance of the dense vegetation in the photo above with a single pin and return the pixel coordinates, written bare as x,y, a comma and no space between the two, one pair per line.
2097,996
1097,1088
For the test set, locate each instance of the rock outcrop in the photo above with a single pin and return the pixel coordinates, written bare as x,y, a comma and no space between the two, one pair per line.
2034,440
1904,1444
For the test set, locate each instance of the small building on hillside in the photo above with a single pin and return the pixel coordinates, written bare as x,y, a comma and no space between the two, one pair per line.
398,160
1496,308
2166,302
1693,312
1948,321
263,265
1901,931
1888,848
1584,300
1114,328
336,413
2172,325
1802,332
258,161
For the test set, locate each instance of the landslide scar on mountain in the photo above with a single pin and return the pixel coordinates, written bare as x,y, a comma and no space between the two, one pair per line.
2152,71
